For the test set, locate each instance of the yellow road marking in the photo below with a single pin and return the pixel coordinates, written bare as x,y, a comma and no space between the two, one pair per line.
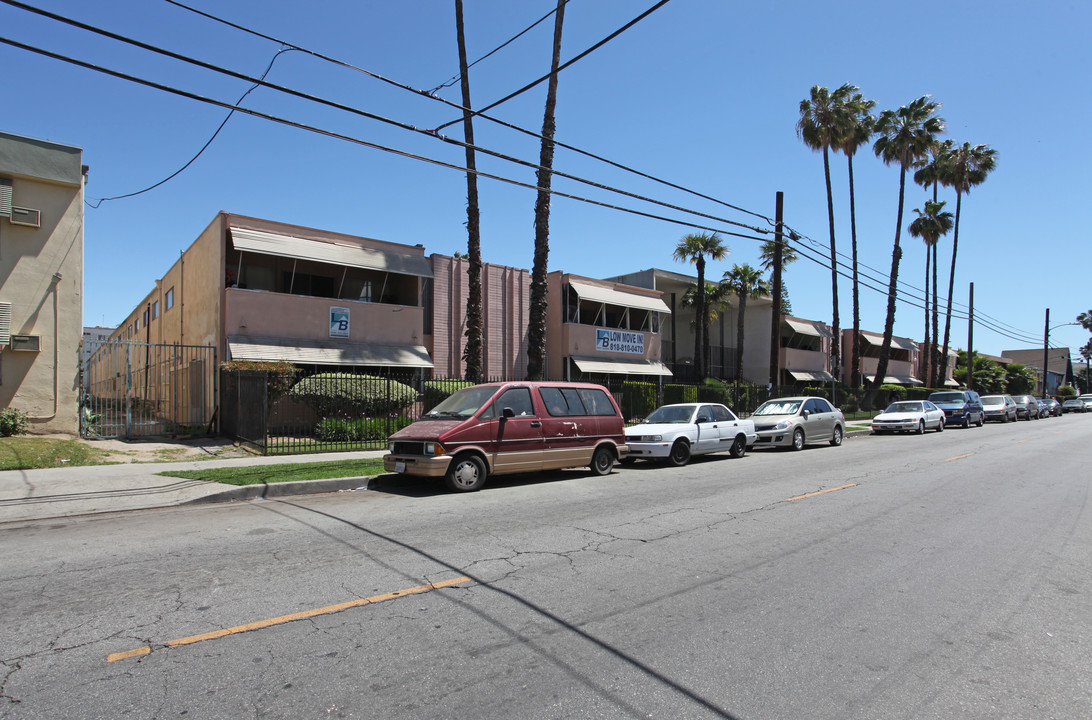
1017,442
958,457
801,497
288,618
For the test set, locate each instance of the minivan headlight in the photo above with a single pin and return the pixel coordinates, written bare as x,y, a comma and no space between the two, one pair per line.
434,448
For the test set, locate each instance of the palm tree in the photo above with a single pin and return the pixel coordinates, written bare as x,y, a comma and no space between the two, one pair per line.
694,248
930,225
746,282
536,326
822,126
716,300
929,174
962,168
904,138
859,131
766,262
472,354
1085,320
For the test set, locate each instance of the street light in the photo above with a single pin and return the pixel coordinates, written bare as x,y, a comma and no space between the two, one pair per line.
1046,346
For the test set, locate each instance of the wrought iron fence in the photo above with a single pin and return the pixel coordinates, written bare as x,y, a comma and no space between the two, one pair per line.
139,389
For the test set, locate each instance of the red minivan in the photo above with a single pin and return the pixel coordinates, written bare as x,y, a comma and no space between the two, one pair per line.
512,427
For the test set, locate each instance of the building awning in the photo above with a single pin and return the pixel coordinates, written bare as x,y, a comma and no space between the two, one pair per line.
877,340
268,243
621,367
618,297
805,375
896,380
952,382
806,328
327,352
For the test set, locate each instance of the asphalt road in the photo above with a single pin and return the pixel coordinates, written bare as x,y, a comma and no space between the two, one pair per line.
939,576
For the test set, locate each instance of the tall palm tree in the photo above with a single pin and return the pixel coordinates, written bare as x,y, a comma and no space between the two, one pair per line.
1085,320
822,126
472,354
716,300
963,168
746,282
904,138
929,174
859,131
694,248
930,225
536,326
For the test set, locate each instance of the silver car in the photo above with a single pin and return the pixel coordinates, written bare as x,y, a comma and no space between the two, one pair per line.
796,421
999,407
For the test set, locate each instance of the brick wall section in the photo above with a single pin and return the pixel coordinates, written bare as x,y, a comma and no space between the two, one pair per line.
507,295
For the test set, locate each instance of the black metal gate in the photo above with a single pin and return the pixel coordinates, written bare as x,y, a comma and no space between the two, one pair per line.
139,389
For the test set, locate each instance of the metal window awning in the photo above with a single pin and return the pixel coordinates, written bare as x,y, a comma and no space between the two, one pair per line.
618,297
896,380
877,340
952,382
820,375
807,328
621,367
328,352
268,243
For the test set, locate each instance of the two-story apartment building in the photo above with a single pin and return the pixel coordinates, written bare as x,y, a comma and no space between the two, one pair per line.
804,355
902,361
41,280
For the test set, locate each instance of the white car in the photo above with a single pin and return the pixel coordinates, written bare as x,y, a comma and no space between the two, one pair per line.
676,432
909,416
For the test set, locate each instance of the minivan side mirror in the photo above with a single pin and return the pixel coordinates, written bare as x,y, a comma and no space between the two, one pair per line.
507,412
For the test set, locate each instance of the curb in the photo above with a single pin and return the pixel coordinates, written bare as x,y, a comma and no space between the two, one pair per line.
285,489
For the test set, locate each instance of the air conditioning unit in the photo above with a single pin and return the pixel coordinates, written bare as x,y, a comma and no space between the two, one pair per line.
5,323
26,343
25,216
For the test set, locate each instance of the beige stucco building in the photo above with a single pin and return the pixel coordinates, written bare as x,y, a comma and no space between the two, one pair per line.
41,280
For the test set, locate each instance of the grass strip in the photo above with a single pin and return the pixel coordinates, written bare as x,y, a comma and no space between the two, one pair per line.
285,472
30,453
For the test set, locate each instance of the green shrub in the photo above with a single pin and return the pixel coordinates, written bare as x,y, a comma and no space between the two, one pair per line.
712,390
361,429
349,395
1067,391
639,399
680,394
13,422
436,391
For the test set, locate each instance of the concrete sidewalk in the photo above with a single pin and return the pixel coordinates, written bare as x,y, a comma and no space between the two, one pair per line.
60,492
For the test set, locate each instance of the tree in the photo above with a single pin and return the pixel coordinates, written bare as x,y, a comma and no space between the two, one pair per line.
930,225
472,353
823,125
928,174
766,262
989,377
1019,379
904,138
716,299
694,248
536,330
861,126
962,168
1085,320
746,282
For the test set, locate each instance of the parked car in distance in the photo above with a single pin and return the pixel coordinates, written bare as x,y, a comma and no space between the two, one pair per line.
1073,405
1046,407
1087,404
796,421
501,428
909,416
999,407
677,432
961,407
1027,407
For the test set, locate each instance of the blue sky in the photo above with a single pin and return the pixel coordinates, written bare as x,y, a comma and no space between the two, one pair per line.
702,93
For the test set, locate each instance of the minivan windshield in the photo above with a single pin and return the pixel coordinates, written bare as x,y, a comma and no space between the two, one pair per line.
462,404
949,397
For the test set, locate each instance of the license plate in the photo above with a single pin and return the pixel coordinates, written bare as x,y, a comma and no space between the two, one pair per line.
400,467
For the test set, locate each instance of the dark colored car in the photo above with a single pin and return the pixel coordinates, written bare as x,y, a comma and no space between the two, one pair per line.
1027,407
961,407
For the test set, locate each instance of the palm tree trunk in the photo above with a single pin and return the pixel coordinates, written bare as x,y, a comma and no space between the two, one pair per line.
536,330
951,287
928,352
835,352
855,360
889,325
472,353
699,325
938,376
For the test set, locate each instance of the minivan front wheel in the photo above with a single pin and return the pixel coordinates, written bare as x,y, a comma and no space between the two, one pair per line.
602,461
465,474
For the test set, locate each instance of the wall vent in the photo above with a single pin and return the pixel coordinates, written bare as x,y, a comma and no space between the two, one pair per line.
5,323
26,343
5,197
25,216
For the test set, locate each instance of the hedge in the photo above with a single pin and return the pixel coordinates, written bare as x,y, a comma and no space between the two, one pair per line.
352,396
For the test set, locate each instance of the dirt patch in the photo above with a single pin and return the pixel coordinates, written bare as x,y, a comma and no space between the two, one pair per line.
164,450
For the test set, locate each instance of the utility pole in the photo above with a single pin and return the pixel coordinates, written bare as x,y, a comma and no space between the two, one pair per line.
1046,350
775,331
970,341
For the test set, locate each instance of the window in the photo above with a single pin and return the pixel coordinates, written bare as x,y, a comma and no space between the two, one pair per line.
596,401
562,401
145,317
130,331
169,301
137,324
155,309
519,399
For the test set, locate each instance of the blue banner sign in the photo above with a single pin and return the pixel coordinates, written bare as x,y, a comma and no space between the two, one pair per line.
339,322
621,341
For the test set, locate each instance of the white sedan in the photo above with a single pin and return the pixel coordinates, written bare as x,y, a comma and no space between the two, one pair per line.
909,416
676,432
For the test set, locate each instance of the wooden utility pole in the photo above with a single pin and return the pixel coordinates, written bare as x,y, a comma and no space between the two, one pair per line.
775,326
